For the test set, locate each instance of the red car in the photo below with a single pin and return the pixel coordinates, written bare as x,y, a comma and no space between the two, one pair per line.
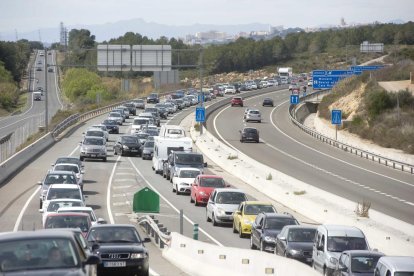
237,101
203,186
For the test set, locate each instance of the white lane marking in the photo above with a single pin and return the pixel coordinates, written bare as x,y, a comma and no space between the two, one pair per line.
108,192
121,203
330,156
122,187
19,218
171,205
57,89
309,164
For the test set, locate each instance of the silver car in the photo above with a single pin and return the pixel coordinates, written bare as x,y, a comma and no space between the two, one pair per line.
253,115
93,147
221,205
116,116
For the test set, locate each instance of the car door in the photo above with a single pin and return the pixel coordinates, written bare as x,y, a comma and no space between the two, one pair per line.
343,262
194,187
211,204
237,216
318,251
257,230
281,242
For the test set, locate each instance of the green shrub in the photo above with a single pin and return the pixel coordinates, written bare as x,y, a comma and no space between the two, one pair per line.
377,102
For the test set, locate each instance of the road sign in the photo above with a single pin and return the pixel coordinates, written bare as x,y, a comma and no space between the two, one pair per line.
201,98
319,73
367,68
339,73
200,114
336,117
321,82
294,99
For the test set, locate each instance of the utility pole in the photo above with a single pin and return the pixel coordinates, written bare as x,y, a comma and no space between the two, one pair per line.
46,95
201,87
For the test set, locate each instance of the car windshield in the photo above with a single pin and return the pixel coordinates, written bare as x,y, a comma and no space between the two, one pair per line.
89,212
340,244
189,174
101,127
140,121
94,133
237,99
254,209
212,182
67,168
68,221
97,142
189,159
254,112
115,114
37,253
149,144
109,122
250,130
59,179
129,139
301,235
54,206
63,193
72,160
230,198
367,264
113,235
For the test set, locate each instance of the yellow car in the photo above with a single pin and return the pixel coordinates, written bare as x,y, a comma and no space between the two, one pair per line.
246,214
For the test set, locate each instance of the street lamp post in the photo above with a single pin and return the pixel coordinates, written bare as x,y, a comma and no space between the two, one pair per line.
46,96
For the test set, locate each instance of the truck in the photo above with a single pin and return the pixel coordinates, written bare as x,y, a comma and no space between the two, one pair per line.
37,96
285,73
163,146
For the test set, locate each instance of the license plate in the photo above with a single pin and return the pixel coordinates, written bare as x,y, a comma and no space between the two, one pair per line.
134,150
114,264
309,260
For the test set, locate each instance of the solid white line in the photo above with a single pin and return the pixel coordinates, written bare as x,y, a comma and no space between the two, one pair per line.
171,205
19,218
57,89
108,192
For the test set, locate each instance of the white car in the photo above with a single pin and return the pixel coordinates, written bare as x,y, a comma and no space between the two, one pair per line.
310,82
253,115
116,116
138,123
103,128
222,203
182,180
71,168
55,204
62,191
230,89
83,209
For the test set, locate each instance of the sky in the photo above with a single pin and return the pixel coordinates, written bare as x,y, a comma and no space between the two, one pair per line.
28,15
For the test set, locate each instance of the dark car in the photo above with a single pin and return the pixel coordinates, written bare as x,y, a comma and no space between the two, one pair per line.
148,150
127,144
249,134
357,263
153,98
131,107
111,125
142,137
121,249
296,241
69,160
56,252
267,102
236,101
266,227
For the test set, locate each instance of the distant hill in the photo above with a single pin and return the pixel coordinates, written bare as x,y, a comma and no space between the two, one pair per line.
150,29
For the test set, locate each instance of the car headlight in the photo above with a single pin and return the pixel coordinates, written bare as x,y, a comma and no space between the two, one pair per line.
138,255
203,193
220,212
184,184
269,239
333,260
294,252
247,221
125,147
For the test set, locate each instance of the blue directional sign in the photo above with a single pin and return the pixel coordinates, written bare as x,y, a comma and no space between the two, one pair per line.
294,99
321,82
339,72
201,97
336,117
200,114
367,68
319,73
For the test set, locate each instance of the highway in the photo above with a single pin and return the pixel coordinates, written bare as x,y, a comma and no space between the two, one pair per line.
34,115
293,152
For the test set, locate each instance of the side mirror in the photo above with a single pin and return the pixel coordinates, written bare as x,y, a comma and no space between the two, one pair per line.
82,171
146,240
41,211
282,238
258,227
101,221
95,246
53,164
92,260
319,247
343,268
205,164
237,213
39,182
175,175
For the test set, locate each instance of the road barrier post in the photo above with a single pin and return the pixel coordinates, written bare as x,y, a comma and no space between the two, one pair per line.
195,231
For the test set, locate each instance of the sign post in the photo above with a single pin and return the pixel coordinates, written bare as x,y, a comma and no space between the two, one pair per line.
336,119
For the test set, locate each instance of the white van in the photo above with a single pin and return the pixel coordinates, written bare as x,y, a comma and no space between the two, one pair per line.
163,147
394,266
138,123
330,241
172,131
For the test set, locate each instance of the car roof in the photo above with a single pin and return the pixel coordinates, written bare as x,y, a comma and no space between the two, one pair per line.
112,225
64,186
343,230
69,214
61,172
256,202
249,128
225,190
363,253
94,137
314,227
66,164
188,169
77,208
22,235
278,215
209,176
400,263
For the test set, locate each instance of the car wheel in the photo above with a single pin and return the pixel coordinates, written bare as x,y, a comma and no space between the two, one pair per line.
195,201
191,199
261,246
121,153
115,152
257,141
252,246
207,218
240,232
234,228
275,250
167,176
259,121
241,140
173,189
214,220
81,158
325,272
171,178
40,205
104,159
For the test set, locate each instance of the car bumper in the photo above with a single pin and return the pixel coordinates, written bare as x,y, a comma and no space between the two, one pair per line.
93,155
246,228
224,219
202,199
184,188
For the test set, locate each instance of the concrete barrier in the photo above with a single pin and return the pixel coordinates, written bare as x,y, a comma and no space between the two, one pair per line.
199,258
20,159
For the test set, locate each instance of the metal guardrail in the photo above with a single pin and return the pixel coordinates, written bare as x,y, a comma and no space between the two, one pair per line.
155,229
395,164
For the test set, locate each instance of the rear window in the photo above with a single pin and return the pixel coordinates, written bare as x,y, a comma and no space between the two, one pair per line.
212,182
63,193
91,141
340,244
250,130
279,223
254,112
60,179
230,198
189,174
253,209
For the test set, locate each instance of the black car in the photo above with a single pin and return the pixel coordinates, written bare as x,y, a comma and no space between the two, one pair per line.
131,107
57,252
296,241
128,144
266,227
267,102
357,262
111,125
148,150
121,249
153,98
249,134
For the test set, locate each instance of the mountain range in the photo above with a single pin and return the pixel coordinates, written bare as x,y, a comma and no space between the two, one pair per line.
104,32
